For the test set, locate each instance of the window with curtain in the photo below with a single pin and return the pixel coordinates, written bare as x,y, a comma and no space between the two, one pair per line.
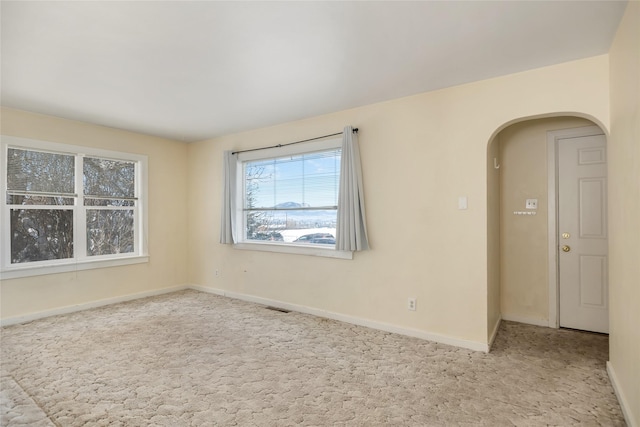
65,205
293,198
305,198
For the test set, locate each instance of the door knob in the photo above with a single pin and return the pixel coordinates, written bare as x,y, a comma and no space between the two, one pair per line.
566,248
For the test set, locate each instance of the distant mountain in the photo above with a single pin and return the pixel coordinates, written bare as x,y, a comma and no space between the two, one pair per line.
289,211
291,205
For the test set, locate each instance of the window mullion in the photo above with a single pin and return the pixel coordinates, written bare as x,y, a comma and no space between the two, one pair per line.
137,229
275,182
80,213
5,231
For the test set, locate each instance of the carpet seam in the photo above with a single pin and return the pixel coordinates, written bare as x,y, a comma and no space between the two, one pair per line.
35,401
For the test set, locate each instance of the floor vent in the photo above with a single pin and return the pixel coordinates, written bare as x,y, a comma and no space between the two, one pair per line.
281,310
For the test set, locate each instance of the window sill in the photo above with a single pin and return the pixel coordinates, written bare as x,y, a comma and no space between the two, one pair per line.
39,270
295,249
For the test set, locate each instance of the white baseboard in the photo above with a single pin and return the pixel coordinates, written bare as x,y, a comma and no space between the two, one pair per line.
85,306
494,333
622,399
208,290
443,339
524,319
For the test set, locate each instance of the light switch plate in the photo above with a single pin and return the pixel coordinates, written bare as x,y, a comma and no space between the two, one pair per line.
532,204
462,202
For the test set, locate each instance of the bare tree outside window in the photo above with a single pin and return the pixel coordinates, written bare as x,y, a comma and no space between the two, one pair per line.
41,234
40,172
41,196
109,232
37,179
109,188
258,222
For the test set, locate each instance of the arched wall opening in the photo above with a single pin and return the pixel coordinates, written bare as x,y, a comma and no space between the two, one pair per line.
518,245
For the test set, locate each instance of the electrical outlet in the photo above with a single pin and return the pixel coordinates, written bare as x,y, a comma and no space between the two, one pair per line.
531,204
411,304
217,273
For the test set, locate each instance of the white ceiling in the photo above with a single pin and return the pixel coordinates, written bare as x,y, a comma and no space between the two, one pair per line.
194,70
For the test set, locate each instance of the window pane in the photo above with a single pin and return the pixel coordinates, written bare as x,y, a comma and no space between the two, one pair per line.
108,178
322,179
293,199
41,234
259,184
293,182
290,225
13,199
109,232
289,183
262,223
40,172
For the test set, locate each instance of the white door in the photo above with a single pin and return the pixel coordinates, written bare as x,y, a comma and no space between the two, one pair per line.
582,227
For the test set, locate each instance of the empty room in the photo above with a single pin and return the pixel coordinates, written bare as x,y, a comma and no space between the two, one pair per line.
202,214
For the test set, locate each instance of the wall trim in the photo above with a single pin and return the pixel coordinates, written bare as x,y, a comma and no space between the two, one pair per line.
88,305
528,320
624,403
415,333
494,333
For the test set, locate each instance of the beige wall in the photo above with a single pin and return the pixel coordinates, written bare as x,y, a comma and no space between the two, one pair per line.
624,211
416,155
524,239
167,220
493,238
419,155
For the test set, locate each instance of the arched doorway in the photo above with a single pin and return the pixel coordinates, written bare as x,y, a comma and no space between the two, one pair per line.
522,221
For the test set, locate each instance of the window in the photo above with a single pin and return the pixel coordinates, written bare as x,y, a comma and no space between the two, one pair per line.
303,197
109,194
288,198
66,207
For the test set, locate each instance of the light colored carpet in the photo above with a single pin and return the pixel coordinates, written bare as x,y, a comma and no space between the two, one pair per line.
195,359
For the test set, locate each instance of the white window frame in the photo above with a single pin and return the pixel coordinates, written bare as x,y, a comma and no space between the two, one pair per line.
271,246
80,261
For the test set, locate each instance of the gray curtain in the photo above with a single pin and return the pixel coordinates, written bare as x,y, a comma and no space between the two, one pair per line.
228,214
351,233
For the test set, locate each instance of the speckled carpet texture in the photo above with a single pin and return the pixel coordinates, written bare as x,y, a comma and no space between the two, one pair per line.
195,359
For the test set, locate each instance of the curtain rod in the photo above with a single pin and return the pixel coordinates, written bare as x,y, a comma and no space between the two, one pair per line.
355,130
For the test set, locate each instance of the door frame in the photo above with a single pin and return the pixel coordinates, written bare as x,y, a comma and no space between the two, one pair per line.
553,138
